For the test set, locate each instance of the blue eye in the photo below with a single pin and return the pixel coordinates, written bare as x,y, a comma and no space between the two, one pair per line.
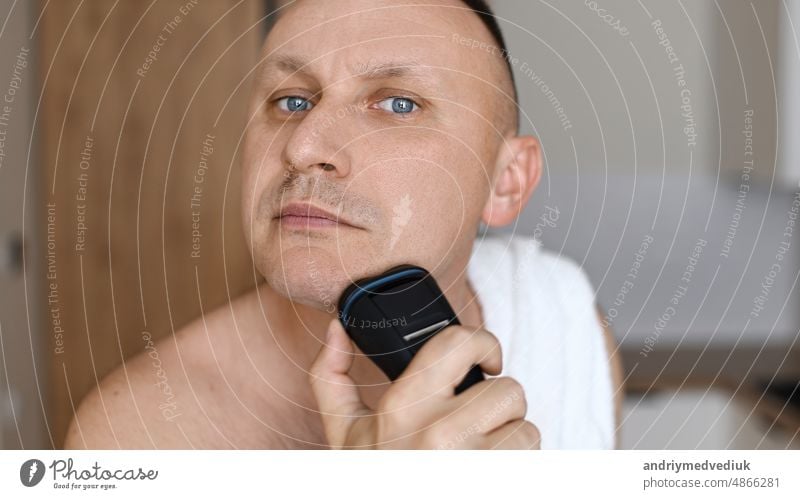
399,105
294,104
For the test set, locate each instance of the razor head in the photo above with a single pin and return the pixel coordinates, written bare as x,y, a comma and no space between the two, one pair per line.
390,316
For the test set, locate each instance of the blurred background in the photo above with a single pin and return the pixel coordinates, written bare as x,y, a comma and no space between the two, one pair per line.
670,132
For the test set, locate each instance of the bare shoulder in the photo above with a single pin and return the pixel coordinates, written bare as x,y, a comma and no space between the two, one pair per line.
164,396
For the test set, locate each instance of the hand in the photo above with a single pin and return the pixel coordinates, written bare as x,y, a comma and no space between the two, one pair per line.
420,410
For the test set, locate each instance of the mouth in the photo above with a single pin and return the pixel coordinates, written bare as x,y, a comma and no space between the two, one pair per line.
308,216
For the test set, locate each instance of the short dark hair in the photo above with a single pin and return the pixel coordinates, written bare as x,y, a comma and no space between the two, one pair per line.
484,12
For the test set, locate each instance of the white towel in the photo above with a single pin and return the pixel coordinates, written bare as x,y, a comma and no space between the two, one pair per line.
541,307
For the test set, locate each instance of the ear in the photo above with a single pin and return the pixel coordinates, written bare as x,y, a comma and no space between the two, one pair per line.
517,172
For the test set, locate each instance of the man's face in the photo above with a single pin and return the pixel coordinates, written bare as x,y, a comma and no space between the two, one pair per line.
374,112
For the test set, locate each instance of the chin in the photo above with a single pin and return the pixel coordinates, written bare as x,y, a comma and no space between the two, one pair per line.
310,276
315,272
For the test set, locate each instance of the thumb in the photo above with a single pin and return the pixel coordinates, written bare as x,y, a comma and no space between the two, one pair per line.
337,395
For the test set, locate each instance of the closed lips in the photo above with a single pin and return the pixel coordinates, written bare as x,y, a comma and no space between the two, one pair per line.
309,212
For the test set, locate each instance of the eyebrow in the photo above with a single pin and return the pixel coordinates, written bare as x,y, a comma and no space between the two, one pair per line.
409,68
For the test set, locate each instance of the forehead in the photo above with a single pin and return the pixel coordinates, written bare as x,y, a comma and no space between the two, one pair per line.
352,36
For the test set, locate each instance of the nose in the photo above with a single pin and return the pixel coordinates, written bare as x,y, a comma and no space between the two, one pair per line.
317,142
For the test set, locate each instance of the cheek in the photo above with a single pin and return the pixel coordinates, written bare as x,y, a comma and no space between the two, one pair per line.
426,207
260,167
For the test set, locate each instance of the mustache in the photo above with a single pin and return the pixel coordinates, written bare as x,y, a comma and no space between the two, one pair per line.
327,194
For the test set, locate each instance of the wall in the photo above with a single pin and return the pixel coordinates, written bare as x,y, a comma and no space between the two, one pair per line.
656,149
24,389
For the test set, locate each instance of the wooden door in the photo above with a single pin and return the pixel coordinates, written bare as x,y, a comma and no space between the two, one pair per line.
142,108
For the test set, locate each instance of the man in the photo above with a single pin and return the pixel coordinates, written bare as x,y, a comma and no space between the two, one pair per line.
379,134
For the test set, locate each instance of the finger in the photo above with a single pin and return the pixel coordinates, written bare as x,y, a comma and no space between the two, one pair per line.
445,359
490,404
517,434
336,393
